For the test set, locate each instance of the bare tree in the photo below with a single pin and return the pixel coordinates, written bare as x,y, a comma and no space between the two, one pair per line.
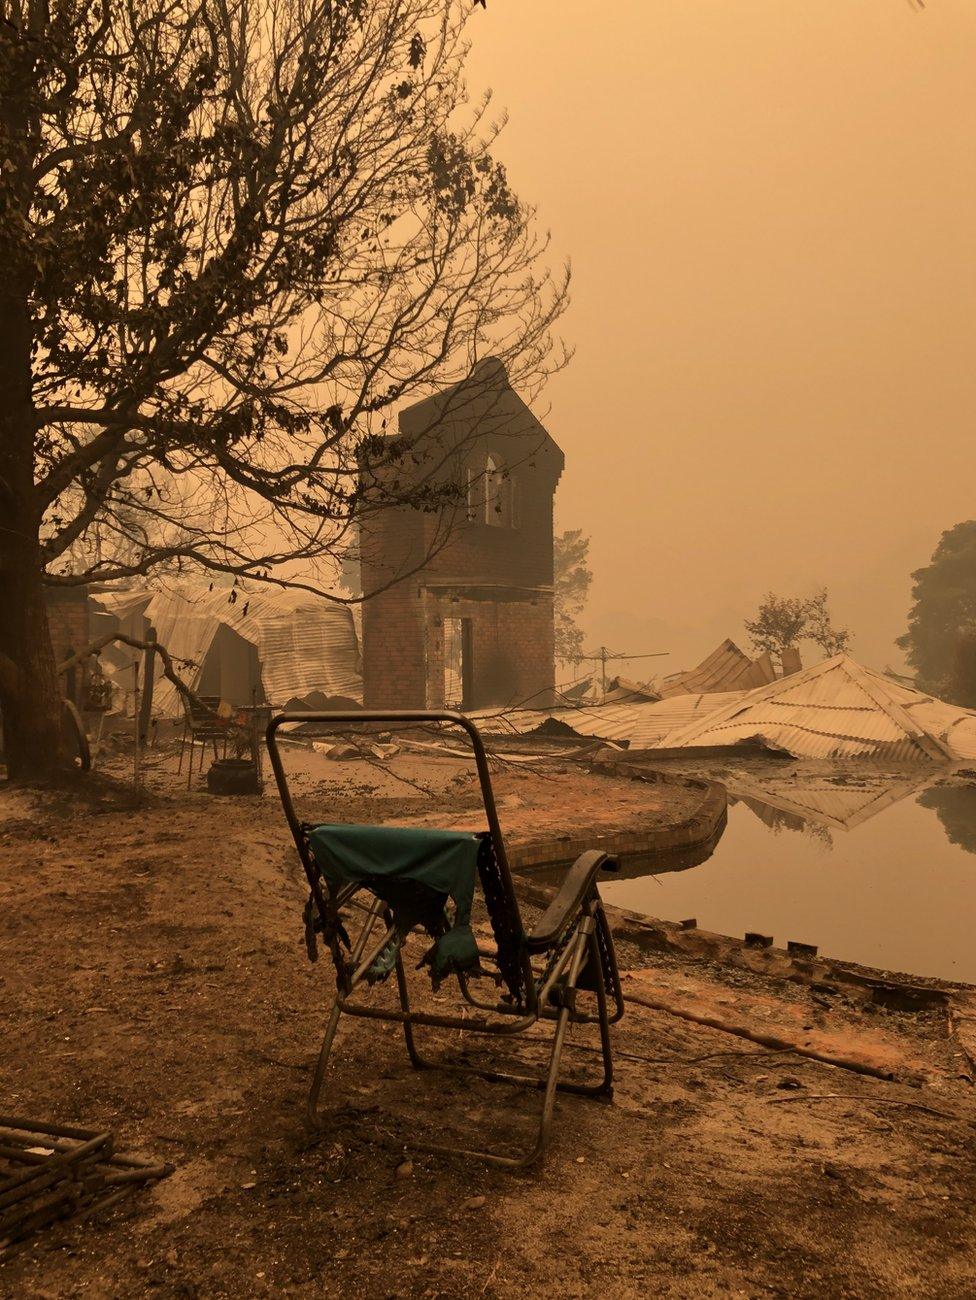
233,234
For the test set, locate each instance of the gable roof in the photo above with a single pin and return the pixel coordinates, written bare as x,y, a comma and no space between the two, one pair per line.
483,404
839,709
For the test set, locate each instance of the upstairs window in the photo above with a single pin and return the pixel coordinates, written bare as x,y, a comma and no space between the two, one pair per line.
494,500
492,496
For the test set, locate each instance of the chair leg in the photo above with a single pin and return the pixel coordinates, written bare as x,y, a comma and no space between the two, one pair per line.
179,766
311,1109
606,1088
416,1060
552,1078
97,747
585,944
552,1082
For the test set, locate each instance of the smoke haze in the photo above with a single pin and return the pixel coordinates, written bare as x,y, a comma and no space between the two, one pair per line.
771,215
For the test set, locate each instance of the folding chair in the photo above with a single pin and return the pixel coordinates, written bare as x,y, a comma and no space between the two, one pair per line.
200,722
409,875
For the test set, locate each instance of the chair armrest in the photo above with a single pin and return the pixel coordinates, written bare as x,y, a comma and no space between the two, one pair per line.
577,884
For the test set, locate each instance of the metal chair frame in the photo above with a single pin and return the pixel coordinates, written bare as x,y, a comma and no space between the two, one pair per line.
575,936
203,725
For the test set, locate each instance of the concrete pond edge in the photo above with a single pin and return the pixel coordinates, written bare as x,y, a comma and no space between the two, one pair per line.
699,831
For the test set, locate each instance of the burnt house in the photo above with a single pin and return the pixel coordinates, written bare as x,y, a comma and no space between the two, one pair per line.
461,610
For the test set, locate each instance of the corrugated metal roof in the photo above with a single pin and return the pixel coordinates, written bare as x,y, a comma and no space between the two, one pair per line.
727,668
654,721
304,643
838,709
954,727
623,691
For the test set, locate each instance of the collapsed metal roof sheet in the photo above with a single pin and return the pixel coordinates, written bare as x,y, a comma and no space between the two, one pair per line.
727,668
304,643
838,709
623,691
655,721
606,722
641,726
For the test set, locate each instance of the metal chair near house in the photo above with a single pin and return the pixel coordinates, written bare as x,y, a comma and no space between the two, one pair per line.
562,970
201,723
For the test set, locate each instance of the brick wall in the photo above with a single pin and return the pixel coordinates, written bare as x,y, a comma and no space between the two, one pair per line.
478,551
68,621
391,544
512,642
527,634
394,675
403,646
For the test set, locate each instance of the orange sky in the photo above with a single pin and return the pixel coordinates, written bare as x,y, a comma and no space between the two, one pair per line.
770,209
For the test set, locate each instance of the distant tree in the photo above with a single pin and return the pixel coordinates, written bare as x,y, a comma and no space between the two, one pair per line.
962,681
819,628
778,625
571,580
782,622
940,643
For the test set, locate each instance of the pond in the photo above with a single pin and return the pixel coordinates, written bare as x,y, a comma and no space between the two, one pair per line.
877,872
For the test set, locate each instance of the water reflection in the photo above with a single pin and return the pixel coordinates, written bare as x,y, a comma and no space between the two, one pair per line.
838,800
631,866
814,806
781,819
955,807
852,861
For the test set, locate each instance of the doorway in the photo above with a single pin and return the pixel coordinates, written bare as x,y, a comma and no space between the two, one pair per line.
458,664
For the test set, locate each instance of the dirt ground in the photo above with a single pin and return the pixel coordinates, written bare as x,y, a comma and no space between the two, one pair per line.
153,980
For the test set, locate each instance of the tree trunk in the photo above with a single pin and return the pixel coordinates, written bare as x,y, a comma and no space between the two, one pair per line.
30,698
30,695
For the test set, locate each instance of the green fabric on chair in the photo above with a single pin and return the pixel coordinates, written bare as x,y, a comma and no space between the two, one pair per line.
414,870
